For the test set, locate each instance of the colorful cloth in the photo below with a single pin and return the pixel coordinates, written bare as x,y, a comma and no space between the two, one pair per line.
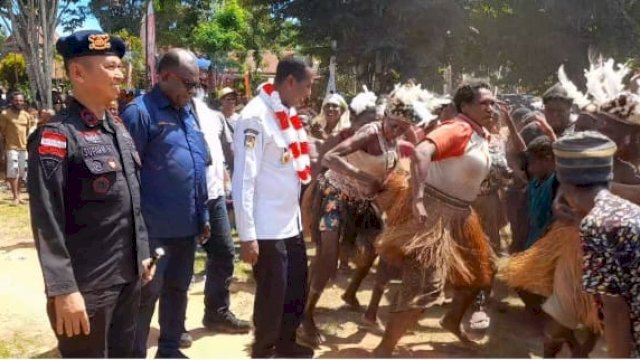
338,208
540,199
332,205
610,236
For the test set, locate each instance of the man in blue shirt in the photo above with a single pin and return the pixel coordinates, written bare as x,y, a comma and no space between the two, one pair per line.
174,158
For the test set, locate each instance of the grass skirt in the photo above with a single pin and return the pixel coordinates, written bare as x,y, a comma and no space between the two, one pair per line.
451,240
490,211
552,267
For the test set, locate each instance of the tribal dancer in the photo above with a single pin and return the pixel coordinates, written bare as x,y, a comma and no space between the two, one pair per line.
552,266
358,170
392,202
444,244
609,234
363,110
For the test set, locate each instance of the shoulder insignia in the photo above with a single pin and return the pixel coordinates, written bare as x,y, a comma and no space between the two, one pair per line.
249,140
53,144
52,150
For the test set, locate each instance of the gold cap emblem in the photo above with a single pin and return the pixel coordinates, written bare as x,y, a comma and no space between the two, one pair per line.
99,42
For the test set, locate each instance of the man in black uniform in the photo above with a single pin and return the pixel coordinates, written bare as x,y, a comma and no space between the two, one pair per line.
85,207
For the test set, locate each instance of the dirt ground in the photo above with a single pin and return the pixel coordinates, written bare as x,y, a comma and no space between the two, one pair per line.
25,331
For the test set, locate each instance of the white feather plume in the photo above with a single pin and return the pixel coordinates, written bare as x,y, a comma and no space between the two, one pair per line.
423,101
580,99
363,101
604,81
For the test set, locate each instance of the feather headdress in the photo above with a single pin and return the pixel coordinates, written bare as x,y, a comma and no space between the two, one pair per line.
605,90
412,100
364,101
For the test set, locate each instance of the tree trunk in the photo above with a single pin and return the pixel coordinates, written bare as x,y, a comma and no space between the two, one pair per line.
33,23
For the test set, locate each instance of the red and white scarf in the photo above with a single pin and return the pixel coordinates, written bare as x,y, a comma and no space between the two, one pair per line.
292,131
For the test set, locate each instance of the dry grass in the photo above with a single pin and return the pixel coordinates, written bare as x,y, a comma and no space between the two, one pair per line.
14,221
17,347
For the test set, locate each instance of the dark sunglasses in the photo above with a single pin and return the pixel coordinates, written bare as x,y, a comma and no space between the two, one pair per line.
189,85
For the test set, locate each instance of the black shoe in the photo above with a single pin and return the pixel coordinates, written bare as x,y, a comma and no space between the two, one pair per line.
294,350
226,323
170,354
185,340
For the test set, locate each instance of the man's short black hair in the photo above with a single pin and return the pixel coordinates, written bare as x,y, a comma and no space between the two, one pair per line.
291,66
530,132
467,93
14,94
173,59
541,148
557,93
168,62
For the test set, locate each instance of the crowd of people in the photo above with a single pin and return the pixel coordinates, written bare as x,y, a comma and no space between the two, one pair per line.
417,185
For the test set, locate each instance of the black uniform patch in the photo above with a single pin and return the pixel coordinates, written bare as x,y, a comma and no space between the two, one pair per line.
101,185
49,165
97,166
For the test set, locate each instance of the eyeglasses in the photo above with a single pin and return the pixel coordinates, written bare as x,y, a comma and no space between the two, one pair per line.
189,85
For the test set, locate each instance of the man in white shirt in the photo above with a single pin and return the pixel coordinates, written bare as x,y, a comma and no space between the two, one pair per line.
266,190
228,116
219,246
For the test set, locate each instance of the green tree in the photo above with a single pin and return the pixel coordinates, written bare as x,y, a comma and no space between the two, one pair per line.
524,42
266,32
224,33
513,42
13,70
116,15
176,20
134,57
32,25
375,40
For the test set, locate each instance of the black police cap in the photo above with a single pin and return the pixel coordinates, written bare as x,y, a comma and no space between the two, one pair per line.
90,43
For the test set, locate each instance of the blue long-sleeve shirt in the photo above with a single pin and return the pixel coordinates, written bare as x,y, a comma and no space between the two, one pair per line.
174,158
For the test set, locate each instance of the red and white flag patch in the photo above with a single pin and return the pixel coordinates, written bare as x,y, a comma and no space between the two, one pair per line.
52,143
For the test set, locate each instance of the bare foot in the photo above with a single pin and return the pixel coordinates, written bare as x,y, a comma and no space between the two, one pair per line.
310,335
15,202
352,302
372,325
457,330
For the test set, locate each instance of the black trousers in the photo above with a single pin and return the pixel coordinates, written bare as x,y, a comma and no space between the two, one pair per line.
112,316
220,256
281,294
171,285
